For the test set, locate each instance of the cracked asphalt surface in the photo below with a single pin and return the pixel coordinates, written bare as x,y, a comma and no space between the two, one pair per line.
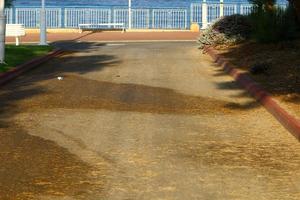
140,121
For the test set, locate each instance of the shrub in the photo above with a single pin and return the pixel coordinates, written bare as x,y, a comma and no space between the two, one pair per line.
274,25
233,25
226,31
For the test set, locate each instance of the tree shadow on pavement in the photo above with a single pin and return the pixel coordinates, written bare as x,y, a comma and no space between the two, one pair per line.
33,83
250,103
281,75
33,167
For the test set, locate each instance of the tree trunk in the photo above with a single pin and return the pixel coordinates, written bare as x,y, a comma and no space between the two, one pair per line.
296,5
269,5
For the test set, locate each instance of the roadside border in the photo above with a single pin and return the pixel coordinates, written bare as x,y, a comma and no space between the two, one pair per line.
22,68
119,41
291,123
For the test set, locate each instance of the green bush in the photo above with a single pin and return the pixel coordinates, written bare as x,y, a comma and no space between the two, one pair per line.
274,25
226,31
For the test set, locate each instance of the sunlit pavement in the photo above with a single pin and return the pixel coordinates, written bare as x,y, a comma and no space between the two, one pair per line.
140,121
109,36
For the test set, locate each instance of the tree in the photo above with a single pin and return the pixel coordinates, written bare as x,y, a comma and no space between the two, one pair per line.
296,6
8,3
270,5
266,4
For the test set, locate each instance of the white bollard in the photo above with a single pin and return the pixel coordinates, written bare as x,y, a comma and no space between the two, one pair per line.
17,41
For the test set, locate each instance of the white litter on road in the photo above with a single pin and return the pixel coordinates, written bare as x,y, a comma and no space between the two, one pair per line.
112,44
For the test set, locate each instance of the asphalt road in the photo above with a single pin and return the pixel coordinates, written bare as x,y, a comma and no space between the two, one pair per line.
140,121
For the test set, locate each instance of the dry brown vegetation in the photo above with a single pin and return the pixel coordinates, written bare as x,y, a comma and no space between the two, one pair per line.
282,75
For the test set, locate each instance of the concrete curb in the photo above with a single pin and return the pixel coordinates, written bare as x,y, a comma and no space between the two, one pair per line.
287,120
20,69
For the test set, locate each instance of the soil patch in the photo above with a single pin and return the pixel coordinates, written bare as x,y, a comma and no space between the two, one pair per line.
281,77
31,167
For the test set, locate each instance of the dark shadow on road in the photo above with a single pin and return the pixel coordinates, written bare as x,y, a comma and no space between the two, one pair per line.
245,106
76,92
233,85
34,83
228,85
32,166
283,73
77,46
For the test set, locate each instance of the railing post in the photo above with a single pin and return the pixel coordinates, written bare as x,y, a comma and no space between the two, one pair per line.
221,8
186,19
62,17
129,15
192,14
204,15
13,15
241,10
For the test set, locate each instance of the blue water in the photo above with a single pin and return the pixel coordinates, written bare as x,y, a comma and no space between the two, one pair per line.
136,3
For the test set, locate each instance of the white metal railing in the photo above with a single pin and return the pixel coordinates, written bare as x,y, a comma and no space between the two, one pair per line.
30,17
27,16
75,16
140,18
121,16
143,18
9,15
169,18
206,13
196,13
213,12
230,9
246,9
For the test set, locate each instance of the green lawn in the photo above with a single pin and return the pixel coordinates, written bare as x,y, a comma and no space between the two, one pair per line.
16,55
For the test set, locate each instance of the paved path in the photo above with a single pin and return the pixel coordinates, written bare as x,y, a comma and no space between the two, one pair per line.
140,121
109,36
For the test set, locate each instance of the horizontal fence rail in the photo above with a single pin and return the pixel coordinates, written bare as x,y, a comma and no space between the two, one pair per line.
246,9
206,13
30,17
196,13
213,12
9,15
76,16
141,18
169,19
230,9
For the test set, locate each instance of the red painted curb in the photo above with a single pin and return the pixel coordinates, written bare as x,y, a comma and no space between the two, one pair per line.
287,120
20,69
